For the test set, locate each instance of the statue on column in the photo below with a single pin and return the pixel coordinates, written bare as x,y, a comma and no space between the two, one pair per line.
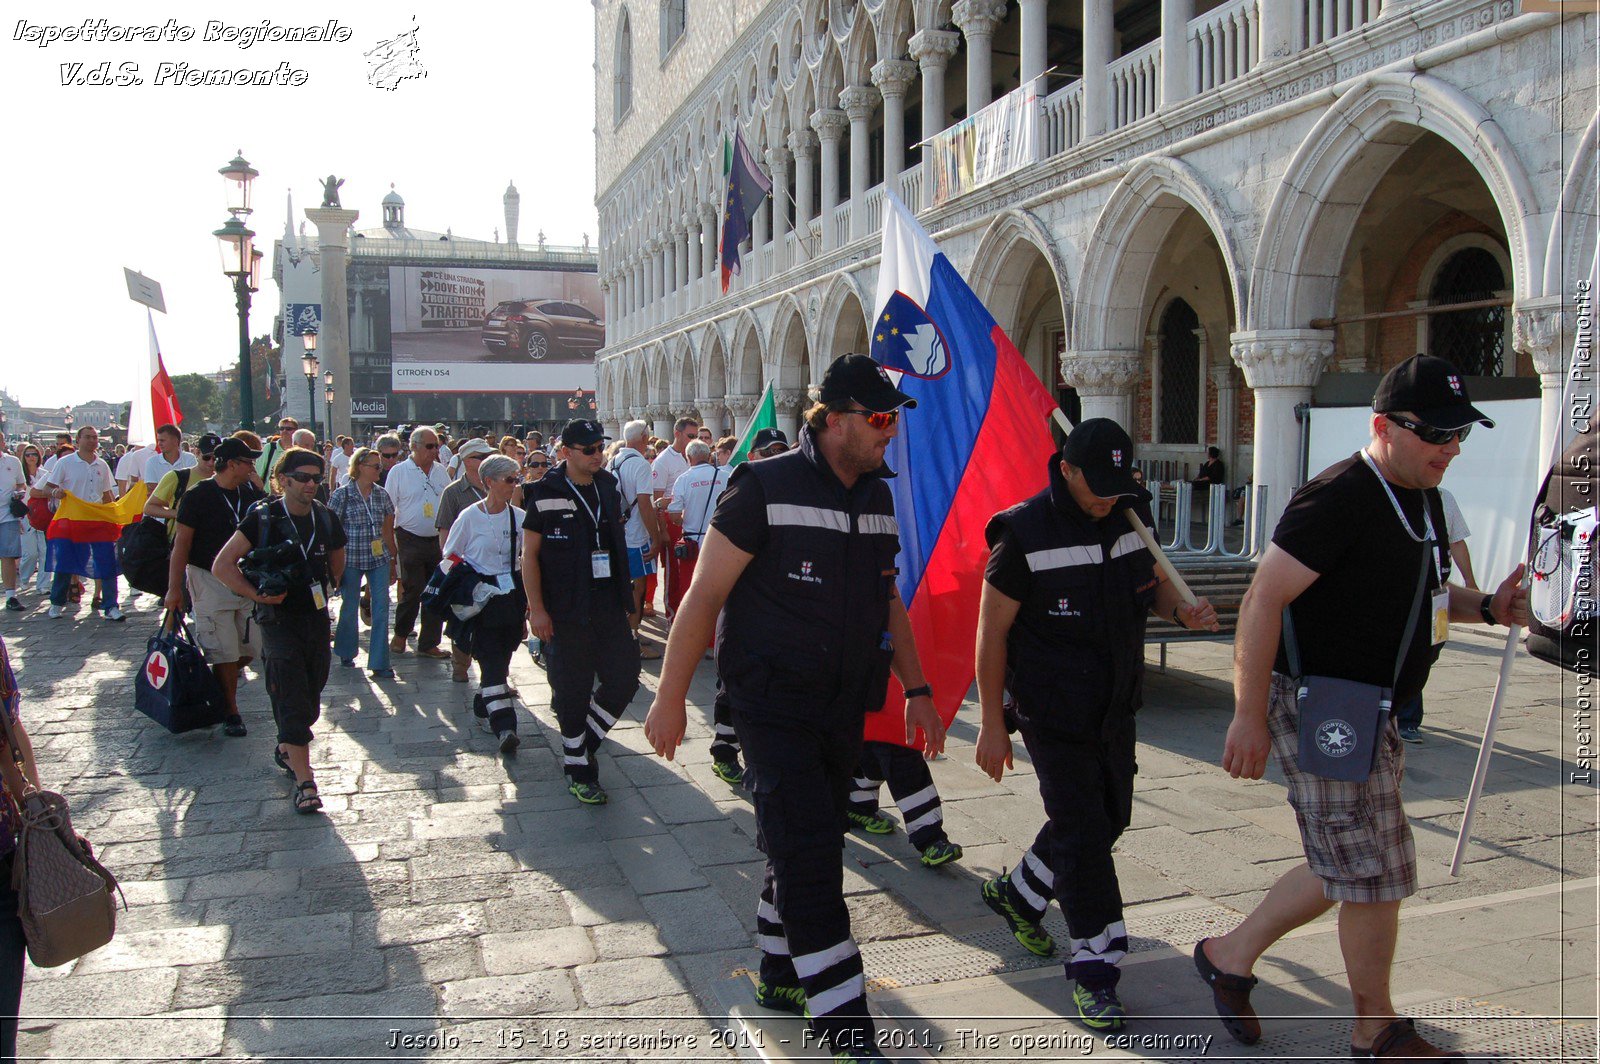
330,190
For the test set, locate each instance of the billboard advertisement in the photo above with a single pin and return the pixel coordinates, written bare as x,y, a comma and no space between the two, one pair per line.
463,329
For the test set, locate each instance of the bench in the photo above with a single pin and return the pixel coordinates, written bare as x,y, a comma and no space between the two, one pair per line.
1223,582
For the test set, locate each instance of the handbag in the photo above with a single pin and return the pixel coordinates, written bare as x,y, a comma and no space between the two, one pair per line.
174,686
64,895
1341,720
18,506
39,513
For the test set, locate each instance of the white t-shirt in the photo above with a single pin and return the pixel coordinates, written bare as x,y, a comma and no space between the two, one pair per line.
488,542
633,475
340,463
11,481
130,467
416,496
1456,528
446,455
694,495
669,466
157,466
89,481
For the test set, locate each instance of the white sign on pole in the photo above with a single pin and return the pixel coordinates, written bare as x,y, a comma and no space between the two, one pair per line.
142,289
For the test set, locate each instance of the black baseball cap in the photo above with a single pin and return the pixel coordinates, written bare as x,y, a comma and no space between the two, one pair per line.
1430,388
859,379
1103,452
232,448
581,432
765,438
207,444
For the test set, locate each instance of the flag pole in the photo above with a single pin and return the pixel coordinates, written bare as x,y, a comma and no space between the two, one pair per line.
1139,527
1480,771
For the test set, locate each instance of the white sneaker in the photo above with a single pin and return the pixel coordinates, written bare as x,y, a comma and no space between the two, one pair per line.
55,611
114,614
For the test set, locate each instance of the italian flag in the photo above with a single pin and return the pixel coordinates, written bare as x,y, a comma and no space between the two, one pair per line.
765,417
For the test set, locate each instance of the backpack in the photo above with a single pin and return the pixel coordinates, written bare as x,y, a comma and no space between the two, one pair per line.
144,550
1561,551
615,469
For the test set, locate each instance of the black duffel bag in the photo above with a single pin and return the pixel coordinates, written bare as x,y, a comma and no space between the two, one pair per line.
144,553
174,686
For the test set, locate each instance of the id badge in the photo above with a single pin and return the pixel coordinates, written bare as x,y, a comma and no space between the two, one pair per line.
427,509
377,548
319,598
1441,615
600,564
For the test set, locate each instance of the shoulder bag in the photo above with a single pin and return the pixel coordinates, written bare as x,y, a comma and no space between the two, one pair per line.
1341,721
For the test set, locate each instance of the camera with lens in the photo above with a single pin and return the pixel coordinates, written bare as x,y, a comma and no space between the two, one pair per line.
273,570
688,550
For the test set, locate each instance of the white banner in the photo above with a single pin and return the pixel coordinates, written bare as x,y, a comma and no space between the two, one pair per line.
990,144
546,377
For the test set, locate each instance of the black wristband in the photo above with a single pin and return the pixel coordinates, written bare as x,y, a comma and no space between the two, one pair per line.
1176,619
918,692
1485,610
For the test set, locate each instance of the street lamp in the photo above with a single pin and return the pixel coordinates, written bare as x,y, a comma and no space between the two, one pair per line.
241,264
308,364
327,393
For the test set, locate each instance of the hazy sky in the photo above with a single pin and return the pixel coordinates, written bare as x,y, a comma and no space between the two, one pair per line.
102,177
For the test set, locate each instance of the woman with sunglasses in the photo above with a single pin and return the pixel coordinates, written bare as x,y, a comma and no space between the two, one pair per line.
487,536
33,542
367,513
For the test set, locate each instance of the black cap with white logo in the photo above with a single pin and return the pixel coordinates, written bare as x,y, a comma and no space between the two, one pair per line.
859,378
765,438
1430,388
1103,452
581,432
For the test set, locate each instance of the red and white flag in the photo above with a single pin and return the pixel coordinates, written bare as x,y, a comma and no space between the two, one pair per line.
155,403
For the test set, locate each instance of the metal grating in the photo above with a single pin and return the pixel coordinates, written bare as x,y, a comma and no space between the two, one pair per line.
944,958
1462,1024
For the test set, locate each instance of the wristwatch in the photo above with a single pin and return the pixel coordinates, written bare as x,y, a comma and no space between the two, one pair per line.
1486,611
918,692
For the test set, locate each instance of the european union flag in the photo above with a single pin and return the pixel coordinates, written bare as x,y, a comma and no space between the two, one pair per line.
747,187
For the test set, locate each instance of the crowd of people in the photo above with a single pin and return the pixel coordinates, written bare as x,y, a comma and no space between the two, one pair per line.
784,568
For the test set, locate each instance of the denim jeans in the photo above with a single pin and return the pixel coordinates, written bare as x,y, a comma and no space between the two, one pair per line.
347,637
62,583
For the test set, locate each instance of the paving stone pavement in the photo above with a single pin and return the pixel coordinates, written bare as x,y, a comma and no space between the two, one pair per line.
452,903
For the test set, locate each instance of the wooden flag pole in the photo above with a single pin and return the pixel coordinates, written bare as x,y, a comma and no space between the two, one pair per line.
1480,772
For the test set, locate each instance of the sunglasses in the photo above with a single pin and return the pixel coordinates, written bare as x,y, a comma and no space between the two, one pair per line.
1427,433
305,478
538,465
429,446
877,419
511,480
390,455
591,449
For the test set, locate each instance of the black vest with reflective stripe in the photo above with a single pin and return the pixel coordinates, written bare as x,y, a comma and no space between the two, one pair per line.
804,631
1075,653
566,575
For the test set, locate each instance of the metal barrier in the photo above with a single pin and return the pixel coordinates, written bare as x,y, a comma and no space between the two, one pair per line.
1181,537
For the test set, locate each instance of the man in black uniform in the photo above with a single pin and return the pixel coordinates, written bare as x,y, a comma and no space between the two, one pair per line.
295,635
1061,625
802,551
575,573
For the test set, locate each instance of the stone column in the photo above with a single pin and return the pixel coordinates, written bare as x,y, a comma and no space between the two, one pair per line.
760,223
978,19
710,408
712,287
666,264
741,407
680,247
1543,329
932,50
1035,40
1097,44
778,165
1225,379
696,295
1175,76
1281,366
660,418
858,102
893,77
830,126
1104,381
333,342
1283,30
803,144
789,404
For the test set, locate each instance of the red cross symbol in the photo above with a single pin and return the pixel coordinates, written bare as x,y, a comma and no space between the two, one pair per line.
155,669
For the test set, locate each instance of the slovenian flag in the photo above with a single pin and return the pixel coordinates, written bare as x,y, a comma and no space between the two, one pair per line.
977,442
747,187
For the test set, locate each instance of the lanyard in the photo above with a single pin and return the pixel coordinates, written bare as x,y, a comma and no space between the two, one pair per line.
594,517
377,525
233,504
294,533
1427,516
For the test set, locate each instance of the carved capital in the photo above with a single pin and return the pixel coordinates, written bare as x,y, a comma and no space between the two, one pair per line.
679,234
1224,376
1282,358
858,102
741,405
657,412
1101,372
933,49
830,124
707,404
1537,329
778,161
789,402
708,215
894,76
978,18
803,143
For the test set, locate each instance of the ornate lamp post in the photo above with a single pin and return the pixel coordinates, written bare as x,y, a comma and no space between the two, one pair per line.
327,394
241,264
308,365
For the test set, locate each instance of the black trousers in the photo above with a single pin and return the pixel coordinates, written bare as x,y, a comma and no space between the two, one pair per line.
724,740
910,783
419,557
296,652
593,668
492,648
1087,788
799,774
13,948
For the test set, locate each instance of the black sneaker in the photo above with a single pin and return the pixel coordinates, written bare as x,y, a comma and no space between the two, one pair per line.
509,741
15,605
234,726
781,997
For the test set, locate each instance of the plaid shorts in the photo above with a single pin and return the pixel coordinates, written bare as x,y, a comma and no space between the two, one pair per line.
1356,836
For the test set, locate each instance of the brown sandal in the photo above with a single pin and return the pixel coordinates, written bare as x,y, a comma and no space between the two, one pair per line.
1400,1041
1230,994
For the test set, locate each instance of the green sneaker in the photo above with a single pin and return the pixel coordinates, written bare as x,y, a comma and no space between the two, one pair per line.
939,853
588,793
728,772
1099,1007
871,823
1033,937
781,997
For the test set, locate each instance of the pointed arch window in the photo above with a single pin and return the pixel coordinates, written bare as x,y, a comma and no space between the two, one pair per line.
674,20
1180,374
1474,340
622,79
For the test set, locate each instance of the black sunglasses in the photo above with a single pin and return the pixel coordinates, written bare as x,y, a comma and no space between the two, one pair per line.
305,478
1427,433
430,446
538,465
593,448
511,480
390,455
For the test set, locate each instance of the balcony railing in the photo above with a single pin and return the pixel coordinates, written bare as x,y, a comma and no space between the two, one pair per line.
1135,85
1063,119
1224,44
911,188
1327,19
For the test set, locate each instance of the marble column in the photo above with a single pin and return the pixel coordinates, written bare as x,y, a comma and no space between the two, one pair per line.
741,407
803,145
778,166
1176,79
1543,329
710,285
680,244
760,224
333,342
830,125
1225,380
789,404
1097,45
1035,40
711,414
978,19
694,296
932,50
1104,381
660,417
1281,366
1283,30
893,77
858,102
666,261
